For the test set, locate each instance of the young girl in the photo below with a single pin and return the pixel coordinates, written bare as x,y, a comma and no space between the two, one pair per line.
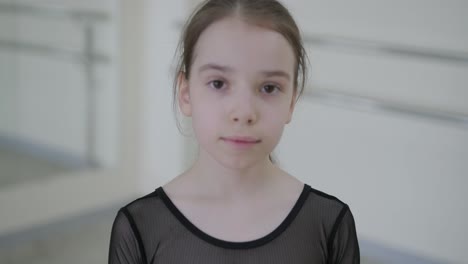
241,72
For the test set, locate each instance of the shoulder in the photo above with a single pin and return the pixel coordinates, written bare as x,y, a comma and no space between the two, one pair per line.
337,224
326,208
138,228
145,220
143,201
144,204
144,209
325,200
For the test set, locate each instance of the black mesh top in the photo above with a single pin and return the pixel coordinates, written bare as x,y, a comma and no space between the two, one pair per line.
319,229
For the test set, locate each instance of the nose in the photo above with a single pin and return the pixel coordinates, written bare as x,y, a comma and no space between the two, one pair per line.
244,110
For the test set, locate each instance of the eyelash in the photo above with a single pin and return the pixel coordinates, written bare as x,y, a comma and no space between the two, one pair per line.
217,80
276,87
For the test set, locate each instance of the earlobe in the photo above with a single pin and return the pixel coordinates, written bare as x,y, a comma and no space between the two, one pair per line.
291,110
184,95
289,118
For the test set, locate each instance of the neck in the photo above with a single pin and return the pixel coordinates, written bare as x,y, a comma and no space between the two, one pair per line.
230,183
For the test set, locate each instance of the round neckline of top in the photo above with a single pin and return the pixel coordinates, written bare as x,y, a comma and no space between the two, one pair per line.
231,244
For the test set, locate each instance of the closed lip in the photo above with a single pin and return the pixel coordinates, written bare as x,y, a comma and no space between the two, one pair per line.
241,139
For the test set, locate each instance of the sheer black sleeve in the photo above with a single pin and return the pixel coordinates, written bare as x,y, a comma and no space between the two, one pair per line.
125,243
343,244
318,229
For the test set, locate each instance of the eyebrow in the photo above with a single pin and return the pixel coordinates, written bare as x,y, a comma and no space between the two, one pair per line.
212,66
277,73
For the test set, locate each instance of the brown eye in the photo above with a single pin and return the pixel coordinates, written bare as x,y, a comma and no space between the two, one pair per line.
269,88
217,84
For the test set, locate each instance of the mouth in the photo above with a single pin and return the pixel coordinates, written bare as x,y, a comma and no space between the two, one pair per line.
241,140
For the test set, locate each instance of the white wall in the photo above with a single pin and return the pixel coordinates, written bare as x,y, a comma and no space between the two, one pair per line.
420,24
8,65
163,149
403,177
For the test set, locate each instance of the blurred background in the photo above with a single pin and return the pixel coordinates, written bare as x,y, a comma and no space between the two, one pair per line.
86,121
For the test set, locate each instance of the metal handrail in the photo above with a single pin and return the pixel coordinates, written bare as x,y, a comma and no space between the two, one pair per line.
54,52
54,12
384,48
87,58
363,103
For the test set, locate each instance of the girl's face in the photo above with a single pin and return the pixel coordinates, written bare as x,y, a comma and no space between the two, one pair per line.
240,92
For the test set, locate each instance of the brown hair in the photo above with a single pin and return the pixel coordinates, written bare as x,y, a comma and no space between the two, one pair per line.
265,13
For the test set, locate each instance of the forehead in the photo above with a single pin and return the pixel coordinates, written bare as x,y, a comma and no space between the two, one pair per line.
243,47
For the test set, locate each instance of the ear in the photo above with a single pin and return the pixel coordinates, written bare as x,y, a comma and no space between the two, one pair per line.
291,108
183,95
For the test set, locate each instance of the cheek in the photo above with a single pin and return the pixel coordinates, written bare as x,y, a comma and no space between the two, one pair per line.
204,119
277,126
275,121
278,112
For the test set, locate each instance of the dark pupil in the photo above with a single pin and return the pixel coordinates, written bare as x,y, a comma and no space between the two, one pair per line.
218,84
269,88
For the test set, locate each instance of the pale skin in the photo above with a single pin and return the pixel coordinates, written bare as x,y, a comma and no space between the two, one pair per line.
240,85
